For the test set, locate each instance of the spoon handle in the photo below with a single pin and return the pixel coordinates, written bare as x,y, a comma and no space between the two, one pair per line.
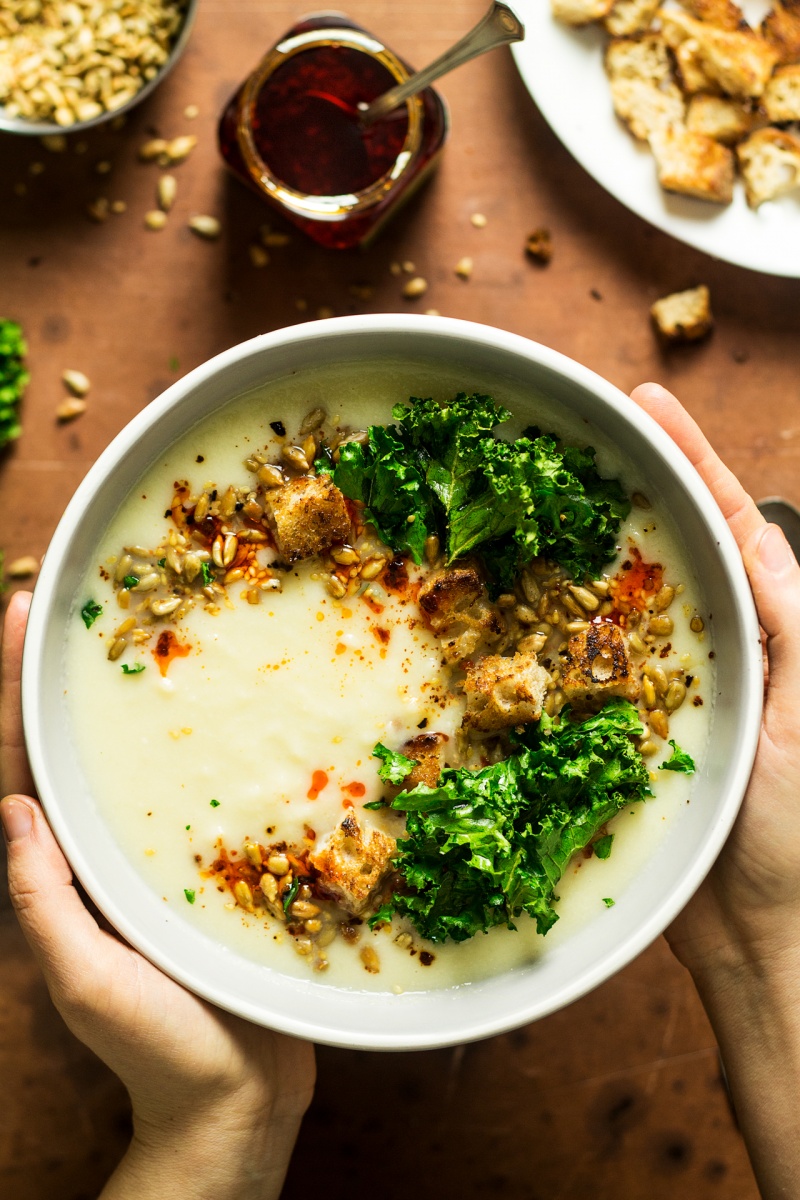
497,28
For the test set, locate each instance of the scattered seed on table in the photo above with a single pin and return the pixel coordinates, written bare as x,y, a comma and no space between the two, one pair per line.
167,191
258,255
69,409
76,382
56,143
463,268
191,111
415,287
152,149
155,219
180,147
98,210
205,227
478,220
539,246
103,167
274,238
118,206
22,568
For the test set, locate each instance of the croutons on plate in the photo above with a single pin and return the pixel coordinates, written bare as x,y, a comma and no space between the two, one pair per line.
770,163
683,316
781,28
580,12
693,164
352,860
739,61
502,692
727,121
457,608
597,665
427,751
630,16
307,515
782,95
643,91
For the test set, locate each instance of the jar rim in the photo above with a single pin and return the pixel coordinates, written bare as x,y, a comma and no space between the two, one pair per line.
333,207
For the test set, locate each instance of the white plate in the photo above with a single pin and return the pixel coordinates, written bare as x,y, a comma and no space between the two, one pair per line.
562,69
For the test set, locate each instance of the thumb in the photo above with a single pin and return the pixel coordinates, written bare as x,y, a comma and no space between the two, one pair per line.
58,928
775,579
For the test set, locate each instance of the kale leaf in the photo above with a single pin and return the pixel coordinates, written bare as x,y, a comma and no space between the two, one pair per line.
440,470
395,766
484,846
13,379
679,760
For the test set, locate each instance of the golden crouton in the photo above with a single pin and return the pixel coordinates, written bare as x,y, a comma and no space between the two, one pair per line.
739,61
630,16
580,12
727,121
427,751
639,58
597,665
770,163
782,95
693,165
352,860
722,13
644,94
693,78
455,604
683,316
307,515
781,28
504,691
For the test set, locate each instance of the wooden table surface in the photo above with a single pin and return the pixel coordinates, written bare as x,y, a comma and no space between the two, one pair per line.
620,1095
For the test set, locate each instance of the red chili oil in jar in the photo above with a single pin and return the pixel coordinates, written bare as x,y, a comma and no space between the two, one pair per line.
292,132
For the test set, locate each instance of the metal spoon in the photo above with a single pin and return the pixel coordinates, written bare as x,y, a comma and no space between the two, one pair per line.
498,27
781,512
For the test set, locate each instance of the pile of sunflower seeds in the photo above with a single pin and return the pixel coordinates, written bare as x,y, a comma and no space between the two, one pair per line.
71,60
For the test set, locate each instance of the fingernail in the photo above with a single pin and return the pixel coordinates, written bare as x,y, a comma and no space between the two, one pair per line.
774,552
17,819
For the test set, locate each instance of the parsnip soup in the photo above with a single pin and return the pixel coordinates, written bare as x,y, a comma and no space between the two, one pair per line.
393,692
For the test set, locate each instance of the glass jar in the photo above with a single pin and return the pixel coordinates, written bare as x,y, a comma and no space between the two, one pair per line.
291,132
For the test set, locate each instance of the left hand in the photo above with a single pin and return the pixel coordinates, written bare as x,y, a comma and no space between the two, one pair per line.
217,1102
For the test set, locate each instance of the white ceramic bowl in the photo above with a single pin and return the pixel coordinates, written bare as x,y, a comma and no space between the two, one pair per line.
308,1007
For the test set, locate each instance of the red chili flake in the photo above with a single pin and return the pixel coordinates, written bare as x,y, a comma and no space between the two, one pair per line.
381,634
168,647
319,780
637,582
372,604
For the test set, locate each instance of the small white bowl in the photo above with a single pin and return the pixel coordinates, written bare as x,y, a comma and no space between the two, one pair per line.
307,1007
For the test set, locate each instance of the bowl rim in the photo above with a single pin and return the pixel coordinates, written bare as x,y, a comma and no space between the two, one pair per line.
749,700
26,128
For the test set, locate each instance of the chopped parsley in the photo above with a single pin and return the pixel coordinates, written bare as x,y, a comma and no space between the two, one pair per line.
90,612
136,669
609,903
395,766
13,379
291,894
207,573
189,894
162,562
214,803
602,847
484,846
130,581
173,363
375,805
679,760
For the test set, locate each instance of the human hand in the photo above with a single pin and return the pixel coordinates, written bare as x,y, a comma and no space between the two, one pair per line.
746,914
217,1102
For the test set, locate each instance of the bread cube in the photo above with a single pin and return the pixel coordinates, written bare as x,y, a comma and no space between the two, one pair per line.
427,751
770,164
683,316
597,665
352,860
739,61
502,692
781,28
457,608
307,516
643,91
580,12
782,95
727,121
630,16
693,165
724,14
691,73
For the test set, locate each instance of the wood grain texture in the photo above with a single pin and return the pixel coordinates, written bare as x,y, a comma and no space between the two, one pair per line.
619,1096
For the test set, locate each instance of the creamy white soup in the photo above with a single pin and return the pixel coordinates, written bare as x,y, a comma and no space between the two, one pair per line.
229,677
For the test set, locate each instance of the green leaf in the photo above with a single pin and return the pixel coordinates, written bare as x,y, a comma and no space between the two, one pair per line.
189,894
382,916
375,805
291,893
484,846
679,760
206,573
214,803
395,766
90,612
130,581
136,669
609,903
13,379
602,847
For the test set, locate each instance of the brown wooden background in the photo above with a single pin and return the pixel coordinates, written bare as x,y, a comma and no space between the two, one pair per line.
618,1097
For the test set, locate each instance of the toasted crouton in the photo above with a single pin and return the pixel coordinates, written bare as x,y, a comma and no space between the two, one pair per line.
455,605
598,665
739,61
580,12
770,163
504,691
693,78
782,95
727,121
630,16
427,751
722,13
683,316
352,860
644,94
781,28
308,515
693,165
